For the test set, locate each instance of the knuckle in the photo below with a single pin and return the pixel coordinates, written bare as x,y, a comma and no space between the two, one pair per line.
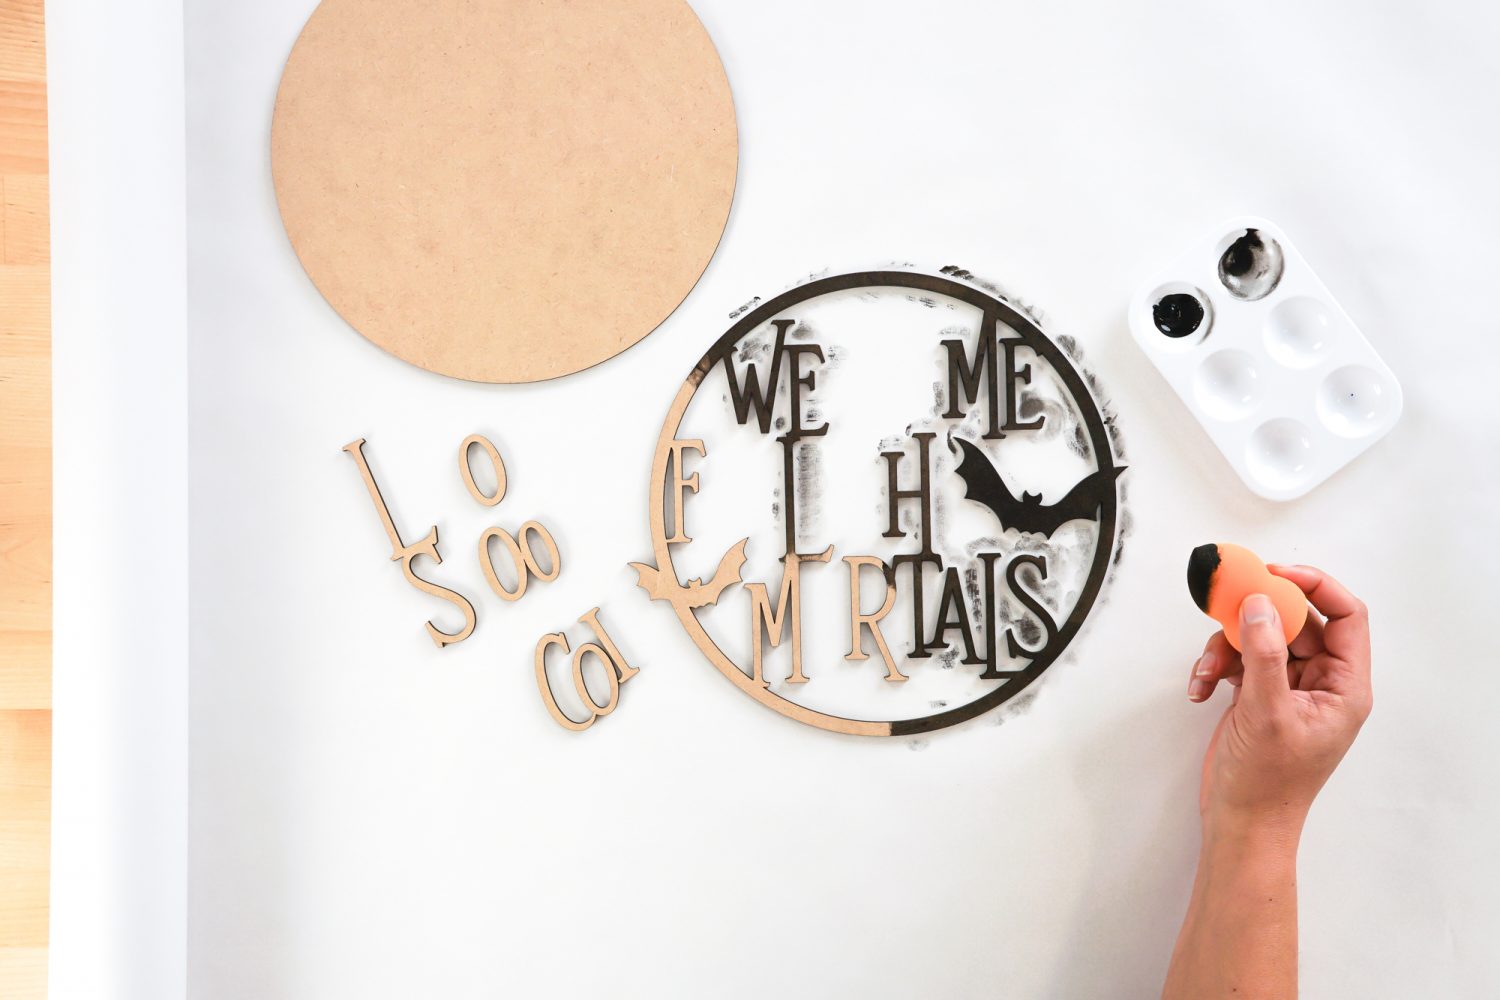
1276,724
1266,648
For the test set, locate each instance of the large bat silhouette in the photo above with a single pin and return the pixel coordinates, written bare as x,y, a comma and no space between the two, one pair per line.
984,485
695,593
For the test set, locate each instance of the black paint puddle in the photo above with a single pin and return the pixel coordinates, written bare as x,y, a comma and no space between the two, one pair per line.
1178,315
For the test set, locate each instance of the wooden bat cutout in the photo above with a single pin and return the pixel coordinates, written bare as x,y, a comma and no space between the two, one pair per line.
695,593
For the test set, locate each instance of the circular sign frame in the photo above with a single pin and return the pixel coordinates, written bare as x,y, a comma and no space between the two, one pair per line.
1034,338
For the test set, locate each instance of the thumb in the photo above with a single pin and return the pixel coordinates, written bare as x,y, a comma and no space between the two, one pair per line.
1262,649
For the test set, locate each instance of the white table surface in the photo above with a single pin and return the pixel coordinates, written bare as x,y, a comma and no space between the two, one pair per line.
370,817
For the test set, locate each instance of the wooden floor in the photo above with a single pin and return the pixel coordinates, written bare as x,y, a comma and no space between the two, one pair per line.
25,505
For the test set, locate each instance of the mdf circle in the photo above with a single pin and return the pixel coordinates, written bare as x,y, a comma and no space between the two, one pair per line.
504,190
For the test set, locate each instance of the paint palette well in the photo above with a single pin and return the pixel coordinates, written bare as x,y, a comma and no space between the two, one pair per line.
1265,358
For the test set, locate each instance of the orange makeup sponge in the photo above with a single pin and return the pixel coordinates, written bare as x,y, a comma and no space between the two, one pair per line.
1221,576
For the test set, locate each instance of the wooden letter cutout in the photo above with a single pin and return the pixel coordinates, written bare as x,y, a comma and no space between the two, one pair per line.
540,664
963,378
773,621
467,472
950,604
623,669
680,486
616,672
922,492
553,558
599,711
856,619
1030,602
404,554
523,557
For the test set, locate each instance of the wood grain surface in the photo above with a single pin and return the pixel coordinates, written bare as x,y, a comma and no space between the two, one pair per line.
25,505
504,192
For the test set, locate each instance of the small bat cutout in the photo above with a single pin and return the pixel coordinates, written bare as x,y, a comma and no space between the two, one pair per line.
983,485
695,593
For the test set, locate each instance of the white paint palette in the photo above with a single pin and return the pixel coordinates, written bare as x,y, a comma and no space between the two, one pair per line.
1265,358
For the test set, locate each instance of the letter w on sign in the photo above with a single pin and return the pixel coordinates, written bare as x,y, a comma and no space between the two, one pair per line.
753,394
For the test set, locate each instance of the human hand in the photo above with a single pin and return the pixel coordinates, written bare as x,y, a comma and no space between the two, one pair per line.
1296,708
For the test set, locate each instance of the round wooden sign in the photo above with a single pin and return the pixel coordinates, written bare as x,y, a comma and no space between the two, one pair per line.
504,190
940,521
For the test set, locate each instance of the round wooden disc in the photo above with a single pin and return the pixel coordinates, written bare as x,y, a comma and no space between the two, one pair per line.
504,190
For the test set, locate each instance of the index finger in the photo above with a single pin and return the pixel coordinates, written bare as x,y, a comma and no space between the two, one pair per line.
1346,634
1323,592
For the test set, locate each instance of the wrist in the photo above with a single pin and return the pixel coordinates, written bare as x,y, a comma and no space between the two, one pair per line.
1269,833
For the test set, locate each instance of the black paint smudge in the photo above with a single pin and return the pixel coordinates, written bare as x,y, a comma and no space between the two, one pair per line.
1034,314
1017,706
1030,631
745,308
809,485
1252,265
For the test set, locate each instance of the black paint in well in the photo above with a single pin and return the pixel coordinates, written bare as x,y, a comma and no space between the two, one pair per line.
1178,314
1251,266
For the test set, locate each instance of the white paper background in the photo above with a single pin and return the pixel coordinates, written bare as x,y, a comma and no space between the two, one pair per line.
372,817
120,504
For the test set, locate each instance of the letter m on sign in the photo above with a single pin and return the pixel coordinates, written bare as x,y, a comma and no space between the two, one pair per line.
965,375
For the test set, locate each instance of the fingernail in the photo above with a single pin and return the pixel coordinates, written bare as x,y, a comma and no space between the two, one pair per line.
1205,665
1197,689
1257,610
